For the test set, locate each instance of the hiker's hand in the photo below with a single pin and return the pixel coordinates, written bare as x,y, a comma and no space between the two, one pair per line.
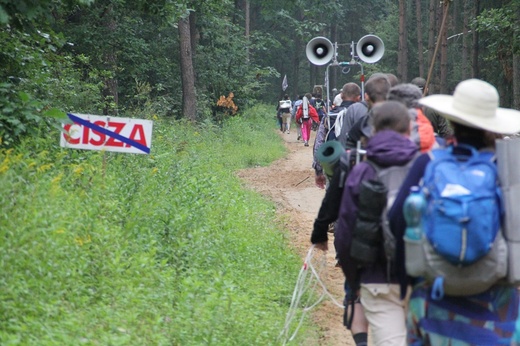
320,181
322,246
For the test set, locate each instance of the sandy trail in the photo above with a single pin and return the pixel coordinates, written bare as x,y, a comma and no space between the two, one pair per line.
289,182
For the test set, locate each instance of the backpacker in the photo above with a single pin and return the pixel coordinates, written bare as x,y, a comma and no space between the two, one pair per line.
422,130
285,104
462,250
372,231
331,122
319,104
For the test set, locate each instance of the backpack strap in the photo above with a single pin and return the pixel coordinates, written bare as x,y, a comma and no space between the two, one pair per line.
344,165
374,166
348,160
336,114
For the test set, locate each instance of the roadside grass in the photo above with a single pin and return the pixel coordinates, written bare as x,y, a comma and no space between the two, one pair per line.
102,248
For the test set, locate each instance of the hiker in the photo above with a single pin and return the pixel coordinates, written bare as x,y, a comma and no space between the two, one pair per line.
392,78
376,88
297,103
440,125
486,317
284,109
320,106
350,94
422,129
336,98
389,147
353,317
305,116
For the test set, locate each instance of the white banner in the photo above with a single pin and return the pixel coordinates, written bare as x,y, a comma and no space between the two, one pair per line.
94,132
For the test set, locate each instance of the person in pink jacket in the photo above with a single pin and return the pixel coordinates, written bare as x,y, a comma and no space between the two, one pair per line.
305,115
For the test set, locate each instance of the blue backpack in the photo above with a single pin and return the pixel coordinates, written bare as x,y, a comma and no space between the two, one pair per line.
462,251
464,208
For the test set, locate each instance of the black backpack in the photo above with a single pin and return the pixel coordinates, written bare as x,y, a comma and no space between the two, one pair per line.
372,230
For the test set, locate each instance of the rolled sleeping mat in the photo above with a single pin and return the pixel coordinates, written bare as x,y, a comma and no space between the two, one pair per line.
508,163
328,155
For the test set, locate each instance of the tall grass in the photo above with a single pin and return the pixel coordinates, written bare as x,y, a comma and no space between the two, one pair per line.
103,248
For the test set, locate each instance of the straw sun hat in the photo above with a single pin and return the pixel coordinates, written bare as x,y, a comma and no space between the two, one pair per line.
475,103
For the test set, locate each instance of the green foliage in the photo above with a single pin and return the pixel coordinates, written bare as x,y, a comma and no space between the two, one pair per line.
23,12
499,36
104,248
385,28
501,29
96,59
38,79
222,48
17,114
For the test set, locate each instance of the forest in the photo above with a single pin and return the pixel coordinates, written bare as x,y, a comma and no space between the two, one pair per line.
171,248
209,59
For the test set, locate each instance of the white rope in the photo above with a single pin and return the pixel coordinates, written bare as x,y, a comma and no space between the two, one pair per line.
302,286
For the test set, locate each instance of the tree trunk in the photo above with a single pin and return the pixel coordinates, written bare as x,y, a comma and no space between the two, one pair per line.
516,72
420,46
189,105
194,35
296,55
194,40
110,89
465,40
296,65
402,56
247,27
516,81
431,42
474,57
444,50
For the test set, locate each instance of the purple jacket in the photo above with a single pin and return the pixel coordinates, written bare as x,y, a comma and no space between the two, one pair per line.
386,148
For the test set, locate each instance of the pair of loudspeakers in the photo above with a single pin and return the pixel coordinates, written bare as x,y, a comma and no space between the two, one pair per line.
369,49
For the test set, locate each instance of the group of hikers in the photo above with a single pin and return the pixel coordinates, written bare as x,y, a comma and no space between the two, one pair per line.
419,200
307,111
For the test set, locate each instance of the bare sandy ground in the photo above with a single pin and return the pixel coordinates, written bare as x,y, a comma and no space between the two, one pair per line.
289,182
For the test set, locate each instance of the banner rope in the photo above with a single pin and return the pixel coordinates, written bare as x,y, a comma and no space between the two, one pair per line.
308,280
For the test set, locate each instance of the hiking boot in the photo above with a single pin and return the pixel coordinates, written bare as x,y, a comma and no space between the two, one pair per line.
306,143
299,137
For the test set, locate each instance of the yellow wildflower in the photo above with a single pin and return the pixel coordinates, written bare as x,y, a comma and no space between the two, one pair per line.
57,179
83,240
44,168
78,169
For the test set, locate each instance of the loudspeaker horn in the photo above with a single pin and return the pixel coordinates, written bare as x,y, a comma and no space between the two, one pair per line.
370,49
319,50
328,155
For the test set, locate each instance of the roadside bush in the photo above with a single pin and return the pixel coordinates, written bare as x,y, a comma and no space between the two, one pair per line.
169,248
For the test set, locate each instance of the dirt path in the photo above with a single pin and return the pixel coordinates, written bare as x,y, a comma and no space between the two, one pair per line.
289,182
